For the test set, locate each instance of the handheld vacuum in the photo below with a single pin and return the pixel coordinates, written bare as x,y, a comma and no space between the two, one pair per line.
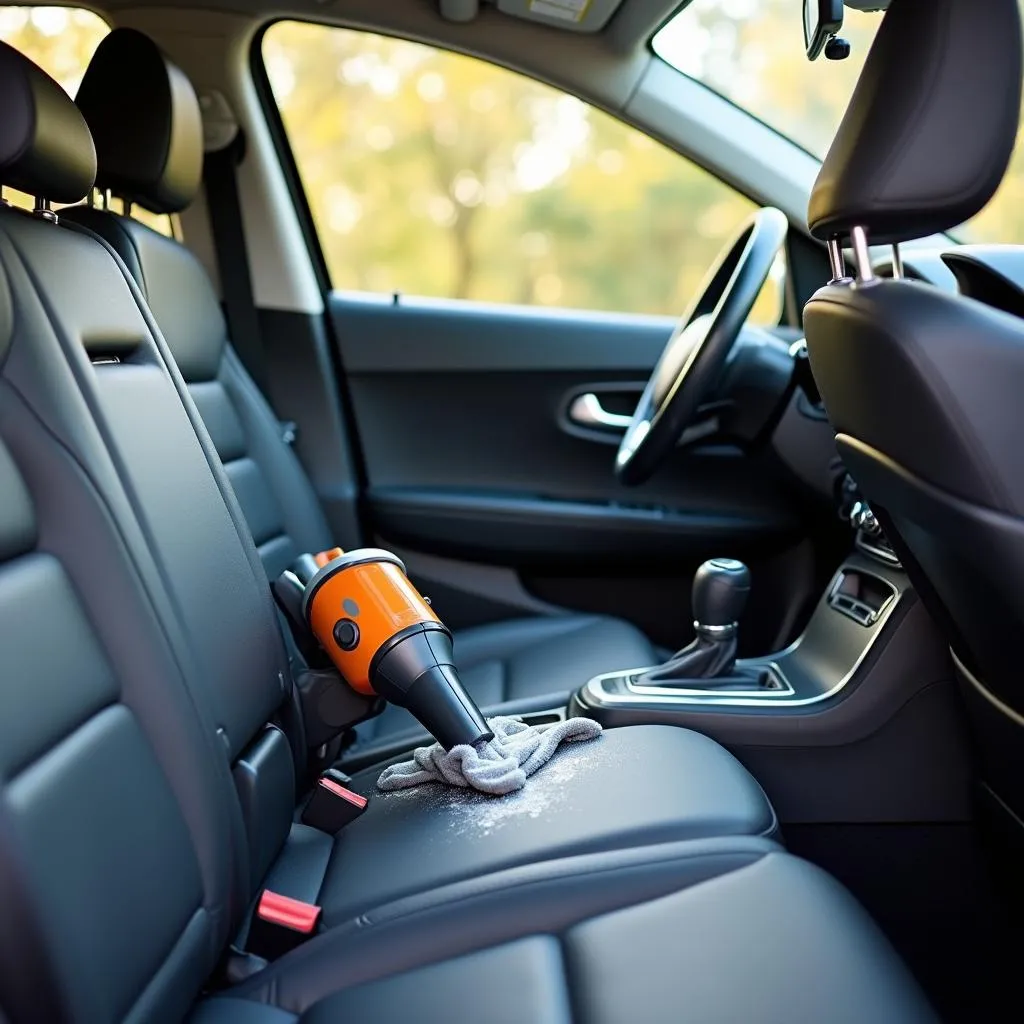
382,637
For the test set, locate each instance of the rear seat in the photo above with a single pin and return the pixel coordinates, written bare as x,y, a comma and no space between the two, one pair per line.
145,117
142,665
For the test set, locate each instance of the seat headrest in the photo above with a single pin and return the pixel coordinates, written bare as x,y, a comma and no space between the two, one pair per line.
145,119
45,146
929,131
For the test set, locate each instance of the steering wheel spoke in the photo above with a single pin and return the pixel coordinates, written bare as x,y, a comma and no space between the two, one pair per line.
692,361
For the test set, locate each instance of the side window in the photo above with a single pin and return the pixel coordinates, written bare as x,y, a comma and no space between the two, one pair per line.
434,174
61,40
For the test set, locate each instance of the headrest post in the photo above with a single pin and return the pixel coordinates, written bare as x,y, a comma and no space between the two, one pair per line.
837,261
861,255
43,210
897,261
105,198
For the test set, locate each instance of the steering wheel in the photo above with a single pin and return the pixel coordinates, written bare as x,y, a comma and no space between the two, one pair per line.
694,357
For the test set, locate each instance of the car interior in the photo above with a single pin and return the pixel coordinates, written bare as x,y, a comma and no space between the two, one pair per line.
303,306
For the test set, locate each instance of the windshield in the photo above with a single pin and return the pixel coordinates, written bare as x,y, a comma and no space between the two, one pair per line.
752,53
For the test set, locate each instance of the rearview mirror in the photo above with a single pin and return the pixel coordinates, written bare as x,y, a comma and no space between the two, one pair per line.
822,20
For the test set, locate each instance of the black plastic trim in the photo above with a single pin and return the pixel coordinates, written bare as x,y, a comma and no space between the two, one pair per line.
389,645
304,214
517,528
286,156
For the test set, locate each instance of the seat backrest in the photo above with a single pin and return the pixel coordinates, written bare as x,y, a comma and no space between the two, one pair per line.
218,604
923,388
120,863
145,119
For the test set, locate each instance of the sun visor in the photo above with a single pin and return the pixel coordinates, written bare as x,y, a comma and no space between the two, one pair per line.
575,15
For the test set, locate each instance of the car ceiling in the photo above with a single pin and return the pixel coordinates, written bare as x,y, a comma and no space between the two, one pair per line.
625,25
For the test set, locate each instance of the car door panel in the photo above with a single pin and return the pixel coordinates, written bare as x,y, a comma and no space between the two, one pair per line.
461,415
471,458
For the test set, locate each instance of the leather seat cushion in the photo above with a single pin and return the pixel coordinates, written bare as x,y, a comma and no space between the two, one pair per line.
766,938
633,787
528,658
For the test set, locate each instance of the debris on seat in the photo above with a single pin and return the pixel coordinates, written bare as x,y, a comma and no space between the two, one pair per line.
497,766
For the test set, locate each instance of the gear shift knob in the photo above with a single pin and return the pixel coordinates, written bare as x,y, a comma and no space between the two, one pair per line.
720,590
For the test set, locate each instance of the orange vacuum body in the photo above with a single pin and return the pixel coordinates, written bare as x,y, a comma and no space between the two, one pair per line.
385,640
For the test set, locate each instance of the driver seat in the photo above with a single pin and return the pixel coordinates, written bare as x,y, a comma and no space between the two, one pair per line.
925,389
145,119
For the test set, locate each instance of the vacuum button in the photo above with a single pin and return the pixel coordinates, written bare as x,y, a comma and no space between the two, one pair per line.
346,634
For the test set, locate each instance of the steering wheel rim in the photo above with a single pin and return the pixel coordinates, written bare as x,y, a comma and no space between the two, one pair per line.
694,356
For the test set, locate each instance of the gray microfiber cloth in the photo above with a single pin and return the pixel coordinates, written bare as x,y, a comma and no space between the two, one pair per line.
497,766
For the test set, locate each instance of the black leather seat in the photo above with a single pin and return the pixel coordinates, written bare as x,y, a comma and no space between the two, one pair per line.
145,119
147,792
768,940
229,643
924,388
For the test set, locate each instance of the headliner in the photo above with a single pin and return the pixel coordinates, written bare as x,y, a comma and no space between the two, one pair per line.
630,25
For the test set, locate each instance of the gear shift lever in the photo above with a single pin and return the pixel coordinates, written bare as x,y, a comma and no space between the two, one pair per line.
720,590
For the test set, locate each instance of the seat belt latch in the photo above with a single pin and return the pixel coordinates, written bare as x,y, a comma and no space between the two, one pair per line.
280,924
333,805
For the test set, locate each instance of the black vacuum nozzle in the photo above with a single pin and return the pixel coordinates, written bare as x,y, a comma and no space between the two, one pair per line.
415,670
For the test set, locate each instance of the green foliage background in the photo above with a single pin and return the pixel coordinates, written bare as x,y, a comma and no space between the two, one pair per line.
435,174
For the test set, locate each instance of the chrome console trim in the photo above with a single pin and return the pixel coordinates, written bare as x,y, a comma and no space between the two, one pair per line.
883,554
873,615
782,688
716,631
597,693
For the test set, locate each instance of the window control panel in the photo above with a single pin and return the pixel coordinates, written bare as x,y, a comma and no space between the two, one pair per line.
861,596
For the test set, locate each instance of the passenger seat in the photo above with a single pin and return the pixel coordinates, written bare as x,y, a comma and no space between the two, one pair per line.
145,120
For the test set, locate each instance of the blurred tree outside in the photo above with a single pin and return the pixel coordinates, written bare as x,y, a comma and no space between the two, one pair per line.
441,175
437,174
61,40
751,51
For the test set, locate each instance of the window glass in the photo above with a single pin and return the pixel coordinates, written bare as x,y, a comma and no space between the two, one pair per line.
441,175
61,40
751,52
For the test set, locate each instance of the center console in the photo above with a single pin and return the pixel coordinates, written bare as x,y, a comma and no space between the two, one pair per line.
851,615
855,721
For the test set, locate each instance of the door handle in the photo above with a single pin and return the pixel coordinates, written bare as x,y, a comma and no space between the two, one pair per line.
586,410
594,422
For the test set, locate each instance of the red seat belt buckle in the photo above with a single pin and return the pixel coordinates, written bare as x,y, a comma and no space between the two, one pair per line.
332,805
280,924
288,913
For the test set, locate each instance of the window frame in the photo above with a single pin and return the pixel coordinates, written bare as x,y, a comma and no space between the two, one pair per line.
284,152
